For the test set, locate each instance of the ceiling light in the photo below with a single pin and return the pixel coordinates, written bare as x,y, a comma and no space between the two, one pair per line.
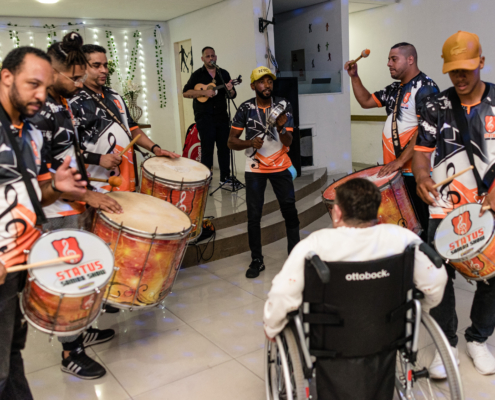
48,1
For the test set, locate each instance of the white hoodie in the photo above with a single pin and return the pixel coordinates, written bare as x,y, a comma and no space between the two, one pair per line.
348,244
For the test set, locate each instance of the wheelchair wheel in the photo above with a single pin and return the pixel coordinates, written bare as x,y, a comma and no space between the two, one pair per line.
284,354
423,387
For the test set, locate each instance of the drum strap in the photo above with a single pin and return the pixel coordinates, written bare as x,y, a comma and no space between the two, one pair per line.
462,125
395,132
26,177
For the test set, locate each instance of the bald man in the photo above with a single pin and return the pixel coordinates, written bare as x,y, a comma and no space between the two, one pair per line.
400,100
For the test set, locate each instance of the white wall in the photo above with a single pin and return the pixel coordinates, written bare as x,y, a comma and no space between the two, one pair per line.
424,23
231,28
292,33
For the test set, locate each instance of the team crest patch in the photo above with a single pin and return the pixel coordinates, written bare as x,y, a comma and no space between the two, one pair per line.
68,247
462,223
490,123
119,106
406,98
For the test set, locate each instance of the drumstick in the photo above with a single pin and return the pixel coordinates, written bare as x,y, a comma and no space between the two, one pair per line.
113,180
133,141
40,264
451,178
364,53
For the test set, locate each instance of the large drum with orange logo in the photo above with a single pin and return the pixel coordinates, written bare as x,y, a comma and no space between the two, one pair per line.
466,240
64,299
148,241
180,181
396,207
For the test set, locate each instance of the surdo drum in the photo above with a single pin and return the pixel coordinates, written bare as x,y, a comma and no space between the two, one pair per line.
396,207
64,299
148,242
180,181
466,240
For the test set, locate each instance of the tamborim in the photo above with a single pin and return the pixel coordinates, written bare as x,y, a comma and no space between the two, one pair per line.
396,207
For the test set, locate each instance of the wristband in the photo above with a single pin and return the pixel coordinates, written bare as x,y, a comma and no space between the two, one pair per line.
153,147
54,188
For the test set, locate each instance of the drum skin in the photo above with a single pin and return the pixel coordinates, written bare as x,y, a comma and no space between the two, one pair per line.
188,196
396,207
130,286
41,307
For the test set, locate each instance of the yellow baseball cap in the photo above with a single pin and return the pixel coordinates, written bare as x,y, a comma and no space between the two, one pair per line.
260,72
461,51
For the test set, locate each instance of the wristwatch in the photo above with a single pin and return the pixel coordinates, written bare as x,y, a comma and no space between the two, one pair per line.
54,188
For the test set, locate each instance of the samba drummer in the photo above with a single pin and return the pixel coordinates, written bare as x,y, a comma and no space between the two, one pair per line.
26,185
106,127
464,110
54,121
400,100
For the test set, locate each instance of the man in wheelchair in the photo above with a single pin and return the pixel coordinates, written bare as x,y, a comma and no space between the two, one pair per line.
363,368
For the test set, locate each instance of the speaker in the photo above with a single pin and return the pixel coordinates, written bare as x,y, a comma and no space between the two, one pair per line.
288,89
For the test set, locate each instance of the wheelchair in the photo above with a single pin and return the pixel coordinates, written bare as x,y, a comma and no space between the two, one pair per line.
367,311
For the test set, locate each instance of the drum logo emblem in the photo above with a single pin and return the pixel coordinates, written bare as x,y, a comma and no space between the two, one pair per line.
68,247
462,223
476,264
490,123
87,302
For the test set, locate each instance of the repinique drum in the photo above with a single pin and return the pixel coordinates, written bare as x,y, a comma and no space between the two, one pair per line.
396,207
466,240
180,181
148,242
64,299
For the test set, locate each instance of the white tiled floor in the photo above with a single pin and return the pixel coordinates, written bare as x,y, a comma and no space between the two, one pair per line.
207,344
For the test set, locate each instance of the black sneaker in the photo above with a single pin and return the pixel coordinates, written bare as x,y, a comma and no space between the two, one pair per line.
255,268
110,309
81,365
97,336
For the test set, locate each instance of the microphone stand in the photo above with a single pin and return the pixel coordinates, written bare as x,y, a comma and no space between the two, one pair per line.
236,184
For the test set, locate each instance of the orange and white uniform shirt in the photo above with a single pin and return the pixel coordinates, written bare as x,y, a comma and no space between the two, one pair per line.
100,134
439,135
412,93
272,157
18,229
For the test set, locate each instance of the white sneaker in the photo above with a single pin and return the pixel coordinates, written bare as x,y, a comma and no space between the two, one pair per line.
437,369
483,360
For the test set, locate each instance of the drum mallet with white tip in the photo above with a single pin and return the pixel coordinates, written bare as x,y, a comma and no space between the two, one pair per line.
365,53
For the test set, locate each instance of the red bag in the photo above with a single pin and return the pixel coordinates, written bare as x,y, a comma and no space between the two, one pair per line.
192,144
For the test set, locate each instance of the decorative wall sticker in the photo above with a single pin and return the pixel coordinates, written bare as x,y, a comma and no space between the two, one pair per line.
310,30
329,57
327,45
183,58
318,47
327,26
313,62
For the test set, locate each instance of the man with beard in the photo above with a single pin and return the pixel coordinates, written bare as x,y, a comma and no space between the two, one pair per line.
60,140
266,159
401,100
212,118
106,127
26,186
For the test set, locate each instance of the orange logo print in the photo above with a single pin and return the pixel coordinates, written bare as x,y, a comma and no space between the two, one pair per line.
406,98
490,123
462,223
118,105
68,247
476,264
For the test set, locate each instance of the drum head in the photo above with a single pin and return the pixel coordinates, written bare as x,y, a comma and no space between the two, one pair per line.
147,213
177,169
368,173
91,268
463,234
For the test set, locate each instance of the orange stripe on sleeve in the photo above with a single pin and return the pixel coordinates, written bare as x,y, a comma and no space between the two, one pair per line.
44,177
239,129
376,100
134,128
289,129
424,149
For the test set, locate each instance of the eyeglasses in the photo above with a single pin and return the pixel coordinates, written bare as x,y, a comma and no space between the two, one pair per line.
79,81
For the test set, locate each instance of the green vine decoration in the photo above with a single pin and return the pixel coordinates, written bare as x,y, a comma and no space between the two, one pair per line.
112,50
133,57
159,71
14,35
111,70
52,34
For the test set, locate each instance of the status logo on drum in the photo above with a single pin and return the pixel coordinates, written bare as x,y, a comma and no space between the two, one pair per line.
476,264
462,223
68,247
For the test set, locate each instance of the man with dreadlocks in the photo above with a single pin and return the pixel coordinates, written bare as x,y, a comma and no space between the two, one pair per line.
60,140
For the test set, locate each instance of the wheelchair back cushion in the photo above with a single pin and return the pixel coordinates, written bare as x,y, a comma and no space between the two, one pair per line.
361,311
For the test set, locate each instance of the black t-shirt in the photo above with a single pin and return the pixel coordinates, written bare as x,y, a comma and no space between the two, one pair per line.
217,105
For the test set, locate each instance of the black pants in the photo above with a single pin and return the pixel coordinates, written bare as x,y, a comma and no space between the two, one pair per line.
255,198
419,205
482,310
213,129
13,333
